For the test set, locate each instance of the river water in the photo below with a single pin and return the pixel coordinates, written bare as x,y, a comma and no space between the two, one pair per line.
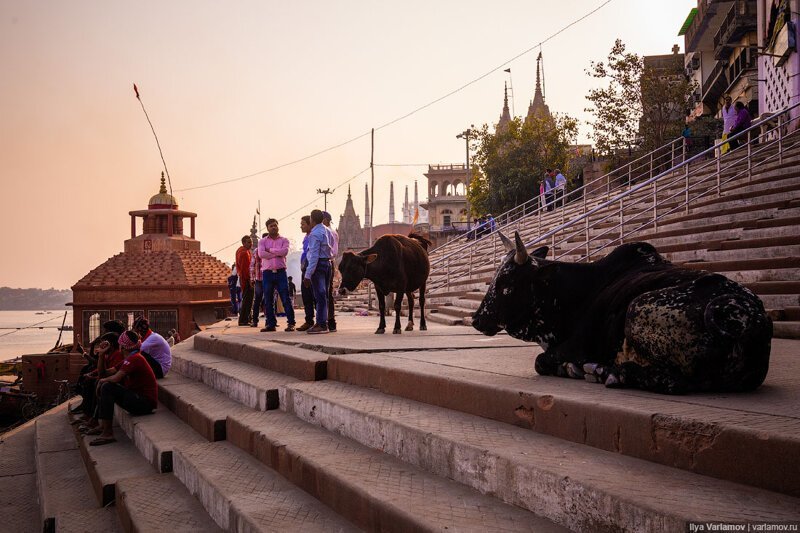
16,342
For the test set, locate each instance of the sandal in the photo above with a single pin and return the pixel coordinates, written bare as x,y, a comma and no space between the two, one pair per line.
101,441
94,431
83,428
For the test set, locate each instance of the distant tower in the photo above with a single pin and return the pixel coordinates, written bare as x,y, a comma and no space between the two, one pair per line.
406,209
416,197
505,116
538,108
367,218
254,232
391,202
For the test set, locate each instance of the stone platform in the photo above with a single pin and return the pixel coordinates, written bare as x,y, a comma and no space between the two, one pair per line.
423,431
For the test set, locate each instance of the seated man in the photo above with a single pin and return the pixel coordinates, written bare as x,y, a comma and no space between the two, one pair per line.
133,387
155,348
109,357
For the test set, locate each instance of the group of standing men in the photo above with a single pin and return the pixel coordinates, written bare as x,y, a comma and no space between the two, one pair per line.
735,118
265,268
552,188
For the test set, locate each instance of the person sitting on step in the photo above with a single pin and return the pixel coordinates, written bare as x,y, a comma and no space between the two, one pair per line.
155,348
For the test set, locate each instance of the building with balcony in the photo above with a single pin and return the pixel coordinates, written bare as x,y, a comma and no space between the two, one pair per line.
779,62
447,201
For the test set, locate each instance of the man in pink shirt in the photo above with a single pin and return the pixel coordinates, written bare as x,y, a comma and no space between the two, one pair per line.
273,250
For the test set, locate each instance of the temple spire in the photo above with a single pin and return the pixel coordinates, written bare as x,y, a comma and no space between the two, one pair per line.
505,116
391,202
538,108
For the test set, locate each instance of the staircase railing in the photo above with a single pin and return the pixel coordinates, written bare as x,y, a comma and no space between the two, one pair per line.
645,166
661,200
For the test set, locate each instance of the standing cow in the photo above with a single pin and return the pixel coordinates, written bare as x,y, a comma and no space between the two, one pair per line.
395,263
631,319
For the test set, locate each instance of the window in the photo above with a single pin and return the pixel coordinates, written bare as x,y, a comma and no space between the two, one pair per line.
162,321
127,317
92,324
447,216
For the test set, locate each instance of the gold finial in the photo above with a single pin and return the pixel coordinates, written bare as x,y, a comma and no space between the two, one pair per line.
163,189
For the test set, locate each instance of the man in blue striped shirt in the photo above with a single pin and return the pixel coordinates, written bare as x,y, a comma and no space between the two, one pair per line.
318,270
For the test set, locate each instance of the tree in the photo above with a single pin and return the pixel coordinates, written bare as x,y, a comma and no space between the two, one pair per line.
508,165
640,106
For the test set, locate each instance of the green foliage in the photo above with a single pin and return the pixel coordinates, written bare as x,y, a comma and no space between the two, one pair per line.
639,107
508,165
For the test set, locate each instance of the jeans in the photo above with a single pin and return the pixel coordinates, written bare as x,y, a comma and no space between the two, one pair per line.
247,303
331,317
114,393
320,280
271,280
154,365
307,294
258,299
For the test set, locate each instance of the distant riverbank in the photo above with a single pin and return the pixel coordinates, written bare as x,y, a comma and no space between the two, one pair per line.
15,342
33,299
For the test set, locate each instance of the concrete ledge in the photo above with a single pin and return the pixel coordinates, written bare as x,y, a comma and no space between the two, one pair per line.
157,435
160,503
109,464
247,384
21,510
201,407
299,363
369,488
241,494
100,519
606,491
758,431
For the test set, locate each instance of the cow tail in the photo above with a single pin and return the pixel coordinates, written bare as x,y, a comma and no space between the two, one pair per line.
740,322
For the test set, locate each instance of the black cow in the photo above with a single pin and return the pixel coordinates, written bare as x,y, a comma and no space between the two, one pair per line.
395,263
631,319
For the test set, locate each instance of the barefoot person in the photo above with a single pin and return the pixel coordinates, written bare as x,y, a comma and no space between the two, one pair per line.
133,387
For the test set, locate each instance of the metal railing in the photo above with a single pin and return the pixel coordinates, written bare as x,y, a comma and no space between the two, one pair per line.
645,166
644,204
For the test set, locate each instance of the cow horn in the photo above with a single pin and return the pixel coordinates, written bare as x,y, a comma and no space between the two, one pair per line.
506,242
522,254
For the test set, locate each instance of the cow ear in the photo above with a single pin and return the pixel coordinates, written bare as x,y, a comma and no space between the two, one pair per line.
509,246
371,258
521,257
540,253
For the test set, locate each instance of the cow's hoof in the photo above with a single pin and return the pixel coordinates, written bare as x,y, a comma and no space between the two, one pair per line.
613,382
380,331
423,327
574,371
410,327
397,331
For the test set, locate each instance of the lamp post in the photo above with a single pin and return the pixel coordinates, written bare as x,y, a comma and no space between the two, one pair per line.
466,134
326,192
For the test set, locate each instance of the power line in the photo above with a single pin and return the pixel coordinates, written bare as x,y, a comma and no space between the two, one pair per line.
413,112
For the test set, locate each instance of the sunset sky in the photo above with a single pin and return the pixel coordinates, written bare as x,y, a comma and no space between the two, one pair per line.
237,88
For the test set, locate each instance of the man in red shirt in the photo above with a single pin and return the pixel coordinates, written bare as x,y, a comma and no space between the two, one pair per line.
138,394
243,258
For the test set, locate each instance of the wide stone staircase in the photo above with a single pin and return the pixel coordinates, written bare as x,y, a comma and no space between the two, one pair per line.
424,431
746,225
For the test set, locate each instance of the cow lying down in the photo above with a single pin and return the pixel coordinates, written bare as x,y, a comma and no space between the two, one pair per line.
631,319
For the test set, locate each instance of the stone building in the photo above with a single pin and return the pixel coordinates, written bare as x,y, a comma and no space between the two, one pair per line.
351,234
161,274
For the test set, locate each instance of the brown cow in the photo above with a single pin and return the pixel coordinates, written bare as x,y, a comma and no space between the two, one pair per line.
395,263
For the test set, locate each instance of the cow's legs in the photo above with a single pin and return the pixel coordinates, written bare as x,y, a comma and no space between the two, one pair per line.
422,325
410,298
382,308
398,303
663,379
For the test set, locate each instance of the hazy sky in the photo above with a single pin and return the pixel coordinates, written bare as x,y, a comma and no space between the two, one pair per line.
235,88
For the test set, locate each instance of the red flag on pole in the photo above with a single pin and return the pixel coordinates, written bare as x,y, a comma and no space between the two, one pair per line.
136,90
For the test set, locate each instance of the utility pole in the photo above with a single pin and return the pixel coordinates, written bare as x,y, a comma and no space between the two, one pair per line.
326,192
466,134
372,204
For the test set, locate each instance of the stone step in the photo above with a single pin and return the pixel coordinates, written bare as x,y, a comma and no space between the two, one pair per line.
242,494
61,476
157,435
161,503
250,385
743,252
198,405
367,487
107,465
295,362
789,329
455,311
700,433
21,511
779,301
447,320
90,520
606,490
470,304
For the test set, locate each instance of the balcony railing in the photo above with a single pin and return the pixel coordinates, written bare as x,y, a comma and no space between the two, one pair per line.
716,82
740,20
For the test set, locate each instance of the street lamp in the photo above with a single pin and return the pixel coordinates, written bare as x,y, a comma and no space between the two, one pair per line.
466,134
326,192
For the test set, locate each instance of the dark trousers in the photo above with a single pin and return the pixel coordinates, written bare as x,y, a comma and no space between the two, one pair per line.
331,317
155,365
89,395
247,303
307,294
258,299
114,393
320,280
271,280
549,199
